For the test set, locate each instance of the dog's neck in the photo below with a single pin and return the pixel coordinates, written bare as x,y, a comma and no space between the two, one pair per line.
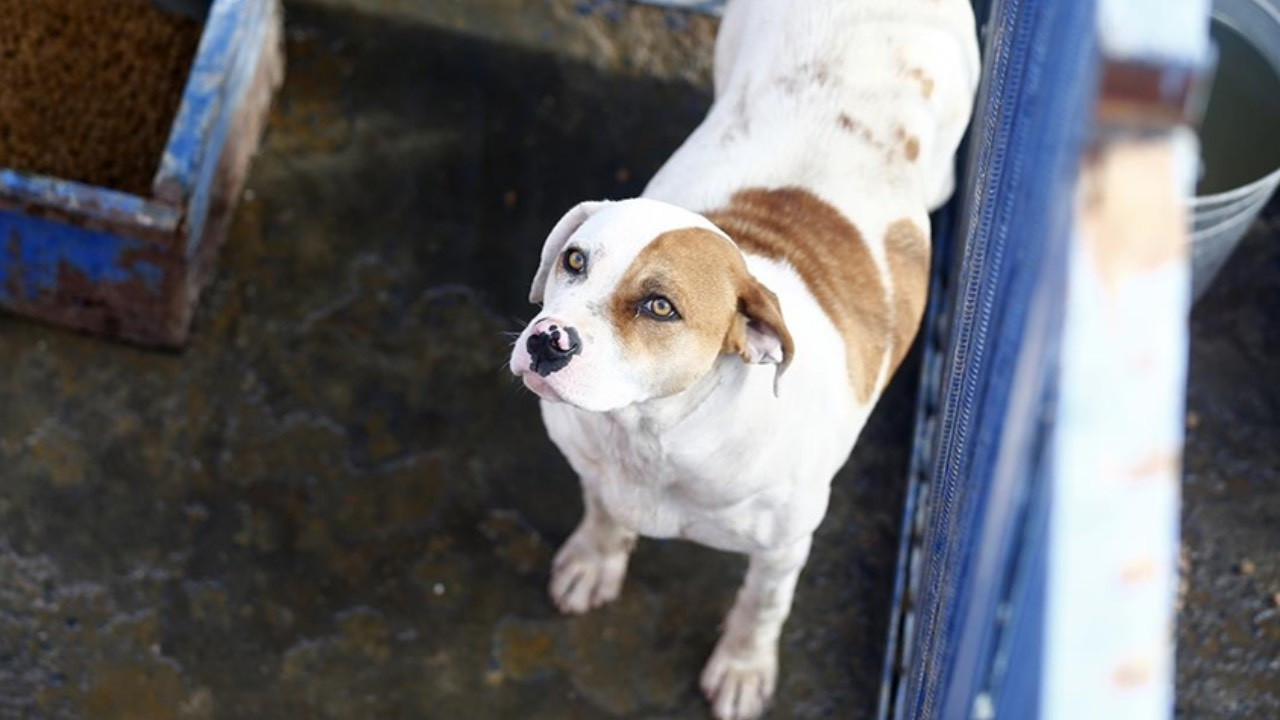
660,415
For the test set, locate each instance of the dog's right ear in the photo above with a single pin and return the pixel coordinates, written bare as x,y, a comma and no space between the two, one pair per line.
560,235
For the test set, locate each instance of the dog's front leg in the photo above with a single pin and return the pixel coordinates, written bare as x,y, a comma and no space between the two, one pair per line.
741,675
589,568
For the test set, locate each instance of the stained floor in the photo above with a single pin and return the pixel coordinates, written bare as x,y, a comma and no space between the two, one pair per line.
1229,630
336,503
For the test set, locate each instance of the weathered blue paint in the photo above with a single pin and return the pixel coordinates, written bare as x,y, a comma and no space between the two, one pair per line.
37,250
710,7
87,201
202,100
237,76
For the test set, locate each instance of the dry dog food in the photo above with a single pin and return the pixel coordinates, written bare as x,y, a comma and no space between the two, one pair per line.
89,88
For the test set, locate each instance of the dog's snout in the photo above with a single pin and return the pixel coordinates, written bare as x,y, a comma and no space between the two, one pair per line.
551,346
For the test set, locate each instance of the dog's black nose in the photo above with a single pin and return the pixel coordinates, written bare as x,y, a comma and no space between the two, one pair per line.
553,348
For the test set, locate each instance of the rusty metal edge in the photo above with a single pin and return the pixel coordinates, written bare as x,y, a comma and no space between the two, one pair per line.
78,204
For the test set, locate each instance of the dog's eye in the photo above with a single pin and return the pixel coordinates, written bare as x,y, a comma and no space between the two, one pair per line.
575,261
659,308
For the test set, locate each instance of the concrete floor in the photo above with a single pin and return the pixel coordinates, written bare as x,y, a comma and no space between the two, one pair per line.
336,504
1229,630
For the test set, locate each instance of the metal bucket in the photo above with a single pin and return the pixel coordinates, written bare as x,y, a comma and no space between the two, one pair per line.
1240,139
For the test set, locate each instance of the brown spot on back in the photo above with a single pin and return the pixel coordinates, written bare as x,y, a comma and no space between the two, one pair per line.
850,124
910,145
926,82
707,280
907,247
829,254
912,149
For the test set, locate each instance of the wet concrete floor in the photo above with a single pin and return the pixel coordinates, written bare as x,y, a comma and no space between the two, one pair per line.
1229,629
336,503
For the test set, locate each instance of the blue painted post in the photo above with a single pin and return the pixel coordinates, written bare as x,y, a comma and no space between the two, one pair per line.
1025,400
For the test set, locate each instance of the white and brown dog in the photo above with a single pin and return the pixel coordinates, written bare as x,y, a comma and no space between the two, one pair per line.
708,353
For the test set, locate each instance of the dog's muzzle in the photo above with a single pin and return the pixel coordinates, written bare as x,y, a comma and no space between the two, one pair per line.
552,348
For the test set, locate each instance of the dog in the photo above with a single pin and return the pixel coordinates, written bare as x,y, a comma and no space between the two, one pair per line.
707,353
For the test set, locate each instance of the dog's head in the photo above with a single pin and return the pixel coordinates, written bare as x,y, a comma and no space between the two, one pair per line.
640,299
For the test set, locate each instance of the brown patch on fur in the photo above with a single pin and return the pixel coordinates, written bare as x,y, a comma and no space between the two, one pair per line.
912,149
707,280
827,251
907,247
851,125
926,82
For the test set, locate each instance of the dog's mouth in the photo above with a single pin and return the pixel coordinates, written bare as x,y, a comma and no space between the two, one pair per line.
540,386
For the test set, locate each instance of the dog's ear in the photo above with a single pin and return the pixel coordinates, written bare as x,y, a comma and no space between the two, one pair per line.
758,333
560,235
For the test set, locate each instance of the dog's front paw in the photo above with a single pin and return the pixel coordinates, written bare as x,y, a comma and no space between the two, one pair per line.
740,684
583,578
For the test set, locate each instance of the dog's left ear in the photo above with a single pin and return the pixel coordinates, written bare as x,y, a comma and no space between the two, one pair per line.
555,242
758,333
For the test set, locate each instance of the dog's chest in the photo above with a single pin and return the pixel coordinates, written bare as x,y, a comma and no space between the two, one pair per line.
661,491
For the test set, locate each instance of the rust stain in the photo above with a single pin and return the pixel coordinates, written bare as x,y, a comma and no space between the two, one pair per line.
1132,222
525,651
153,691
1132,673
1138,571
1158,463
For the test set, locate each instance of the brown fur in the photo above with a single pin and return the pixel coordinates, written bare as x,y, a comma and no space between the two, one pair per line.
848,124
907,248
827,251
926,82
709,284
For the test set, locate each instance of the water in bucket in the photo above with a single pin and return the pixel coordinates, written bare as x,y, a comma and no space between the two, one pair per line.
1240,137
1241,132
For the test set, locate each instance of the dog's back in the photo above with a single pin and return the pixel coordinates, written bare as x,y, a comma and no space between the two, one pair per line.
832,136
862,102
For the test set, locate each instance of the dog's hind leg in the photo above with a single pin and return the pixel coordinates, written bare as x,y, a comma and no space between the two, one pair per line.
741,675
589,568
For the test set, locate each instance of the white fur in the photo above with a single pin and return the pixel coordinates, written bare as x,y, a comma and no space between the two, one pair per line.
728,463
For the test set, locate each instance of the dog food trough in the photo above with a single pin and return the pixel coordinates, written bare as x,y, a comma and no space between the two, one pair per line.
110,254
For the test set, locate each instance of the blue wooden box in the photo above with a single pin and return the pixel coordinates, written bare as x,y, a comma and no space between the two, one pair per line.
133,267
